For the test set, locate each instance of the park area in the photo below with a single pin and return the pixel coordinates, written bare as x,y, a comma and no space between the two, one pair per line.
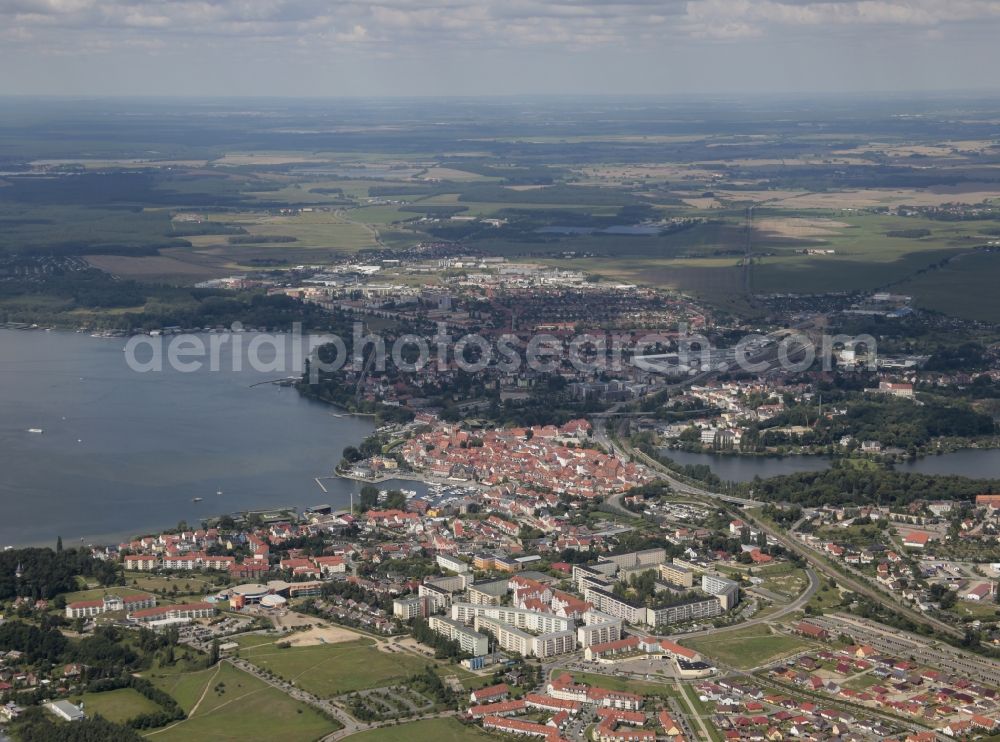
747,648
118,706
328,670
225,703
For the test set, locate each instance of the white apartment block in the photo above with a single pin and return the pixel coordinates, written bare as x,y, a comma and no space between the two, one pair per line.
141,562
520,618
412,606
470,641
647,558
727,591
609,603
452,563
598,628
438,599
165,612
525,644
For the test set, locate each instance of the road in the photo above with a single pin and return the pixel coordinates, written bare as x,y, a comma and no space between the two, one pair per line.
796,605
816,561
350,724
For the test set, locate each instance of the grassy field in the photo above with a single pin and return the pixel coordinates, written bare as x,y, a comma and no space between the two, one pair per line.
788,583
331,669
227,704
430,730
117,705
862,682
748,647
185,585
825,598
99,592
987,610
185,687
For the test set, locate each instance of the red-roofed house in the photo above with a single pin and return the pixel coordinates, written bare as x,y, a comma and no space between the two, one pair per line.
491,694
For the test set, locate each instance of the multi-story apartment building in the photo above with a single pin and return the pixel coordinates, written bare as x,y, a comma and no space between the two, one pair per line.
521,618
452,563
513,639
598,628
609,603
187,611
675,574
438,599
469,640
685,610
647,558
412,606
141,562
487,593
727,591
690,610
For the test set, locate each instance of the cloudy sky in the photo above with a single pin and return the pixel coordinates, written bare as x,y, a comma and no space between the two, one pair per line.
468,47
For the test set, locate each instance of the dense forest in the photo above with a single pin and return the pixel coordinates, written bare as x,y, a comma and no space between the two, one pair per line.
45,573
104,653
149,306
851,483
892,422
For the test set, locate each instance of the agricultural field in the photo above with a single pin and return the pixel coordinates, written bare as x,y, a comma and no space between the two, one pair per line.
965,286
882,205
747,648
225,703
329,670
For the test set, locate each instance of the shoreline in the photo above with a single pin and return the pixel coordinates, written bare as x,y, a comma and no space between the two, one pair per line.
994,445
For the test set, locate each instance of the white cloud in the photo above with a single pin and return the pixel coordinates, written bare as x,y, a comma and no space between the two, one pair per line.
415,28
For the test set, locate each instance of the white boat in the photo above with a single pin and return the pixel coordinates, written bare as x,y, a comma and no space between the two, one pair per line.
35,430
196,499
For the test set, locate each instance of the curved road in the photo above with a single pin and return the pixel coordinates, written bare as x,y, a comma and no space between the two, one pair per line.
857,585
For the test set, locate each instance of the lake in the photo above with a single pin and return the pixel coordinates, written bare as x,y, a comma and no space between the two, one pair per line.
123,453
972,463
745,468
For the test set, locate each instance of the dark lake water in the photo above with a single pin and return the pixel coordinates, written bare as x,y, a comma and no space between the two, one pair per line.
976,464
745,468
123,453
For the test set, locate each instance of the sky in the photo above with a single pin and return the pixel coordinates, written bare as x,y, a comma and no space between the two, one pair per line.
495,47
